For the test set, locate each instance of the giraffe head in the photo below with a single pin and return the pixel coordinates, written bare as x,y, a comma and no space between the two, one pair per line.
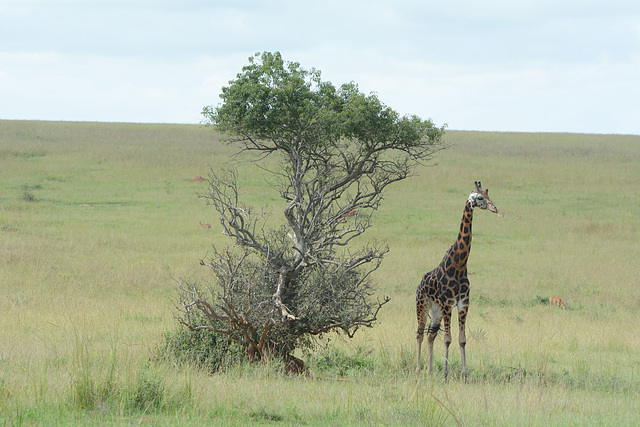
480,198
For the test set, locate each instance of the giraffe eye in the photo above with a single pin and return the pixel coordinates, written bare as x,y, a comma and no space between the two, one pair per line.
480,198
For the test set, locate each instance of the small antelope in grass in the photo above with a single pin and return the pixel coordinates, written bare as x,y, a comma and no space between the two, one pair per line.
204,225
557,301
352,212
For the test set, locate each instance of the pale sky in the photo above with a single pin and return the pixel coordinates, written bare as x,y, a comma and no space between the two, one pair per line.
495,65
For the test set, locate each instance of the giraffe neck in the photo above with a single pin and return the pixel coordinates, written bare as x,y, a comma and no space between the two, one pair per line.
462,247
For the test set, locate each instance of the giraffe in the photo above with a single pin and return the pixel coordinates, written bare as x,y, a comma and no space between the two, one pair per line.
447,286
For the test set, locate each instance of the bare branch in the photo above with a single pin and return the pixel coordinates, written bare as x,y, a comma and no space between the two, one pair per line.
285,316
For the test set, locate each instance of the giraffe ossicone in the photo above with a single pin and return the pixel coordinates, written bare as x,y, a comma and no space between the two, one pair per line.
447,286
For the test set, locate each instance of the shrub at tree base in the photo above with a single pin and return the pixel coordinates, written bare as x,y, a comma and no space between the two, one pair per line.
206,349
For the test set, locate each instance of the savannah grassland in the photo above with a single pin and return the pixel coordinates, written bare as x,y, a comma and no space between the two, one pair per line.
99,221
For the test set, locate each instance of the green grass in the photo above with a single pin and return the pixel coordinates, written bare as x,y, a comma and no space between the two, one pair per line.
97,221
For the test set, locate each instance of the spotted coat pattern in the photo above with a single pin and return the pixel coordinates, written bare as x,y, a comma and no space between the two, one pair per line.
447,286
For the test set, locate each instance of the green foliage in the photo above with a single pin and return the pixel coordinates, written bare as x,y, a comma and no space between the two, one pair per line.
206,349
278,101
332,297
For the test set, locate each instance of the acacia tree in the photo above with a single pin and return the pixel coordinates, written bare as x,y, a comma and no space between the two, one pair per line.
338,151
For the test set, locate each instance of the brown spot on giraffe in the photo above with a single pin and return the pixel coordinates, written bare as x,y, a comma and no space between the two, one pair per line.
447,286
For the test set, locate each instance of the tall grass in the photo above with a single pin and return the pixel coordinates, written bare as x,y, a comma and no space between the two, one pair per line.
98,220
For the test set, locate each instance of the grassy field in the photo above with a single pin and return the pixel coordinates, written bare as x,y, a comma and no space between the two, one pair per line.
97,221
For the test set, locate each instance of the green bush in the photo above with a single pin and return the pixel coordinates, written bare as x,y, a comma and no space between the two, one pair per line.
206,349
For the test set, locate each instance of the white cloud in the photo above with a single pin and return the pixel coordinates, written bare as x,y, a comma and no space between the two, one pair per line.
536,65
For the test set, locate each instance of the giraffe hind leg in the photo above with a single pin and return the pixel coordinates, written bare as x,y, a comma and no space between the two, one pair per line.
420,337
431,337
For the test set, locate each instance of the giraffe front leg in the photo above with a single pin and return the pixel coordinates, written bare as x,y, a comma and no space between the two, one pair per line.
447,340
434,327
422,320
462,318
